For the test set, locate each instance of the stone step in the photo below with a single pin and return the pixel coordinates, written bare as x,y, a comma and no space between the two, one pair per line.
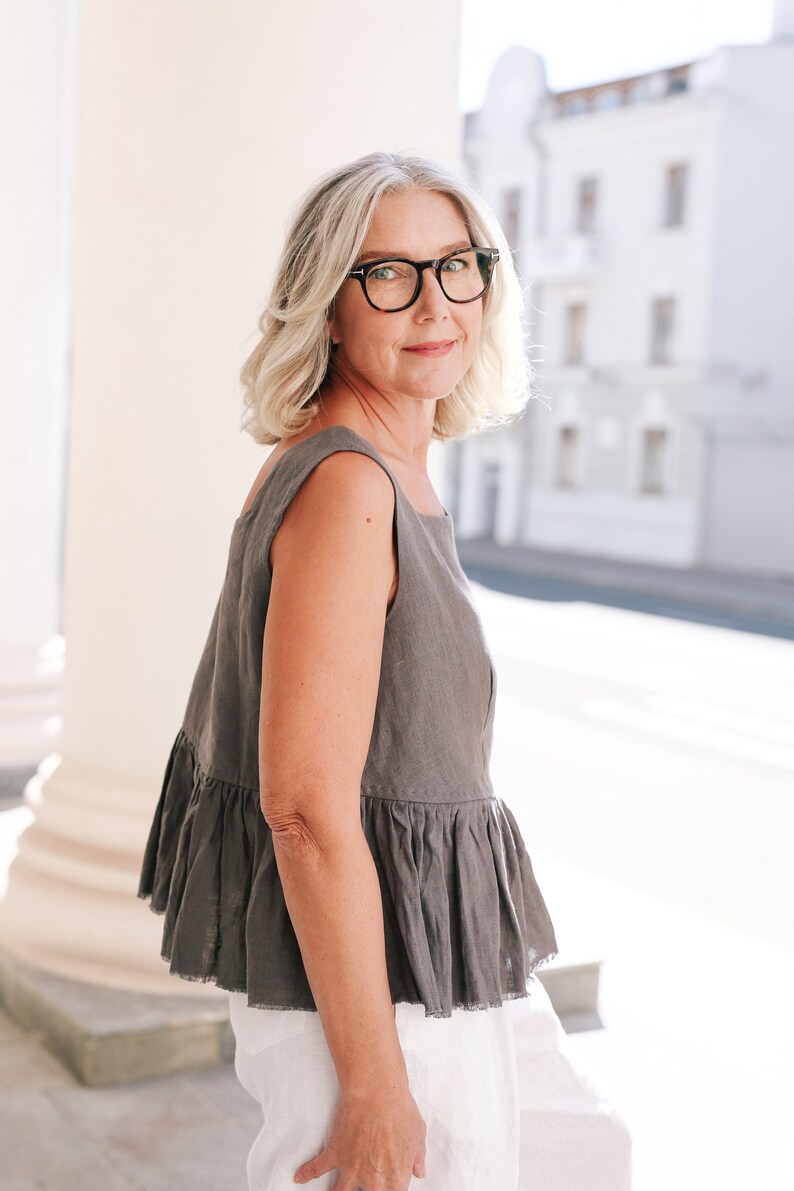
112,1036
572,984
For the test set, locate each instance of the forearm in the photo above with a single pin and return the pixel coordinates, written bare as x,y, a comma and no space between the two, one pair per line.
334,902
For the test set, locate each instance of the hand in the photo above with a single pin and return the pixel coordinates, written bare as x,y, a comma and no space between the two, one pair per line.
376,1144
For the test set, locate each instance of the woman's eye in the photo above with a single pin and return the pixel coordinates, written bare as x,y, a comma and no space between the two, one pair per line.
456,266
384,273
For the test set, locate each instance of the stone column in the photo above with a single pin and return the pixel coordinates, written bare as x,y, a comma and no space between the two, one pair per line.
37,59
199,125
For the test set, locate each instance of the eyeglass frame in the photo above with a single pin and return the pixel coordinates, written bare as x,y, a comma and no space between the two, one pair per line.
359,273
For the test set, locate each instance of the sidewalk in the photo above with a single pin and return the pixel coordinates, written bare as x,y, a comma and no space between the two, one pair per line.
767,600
698,1041
185,1132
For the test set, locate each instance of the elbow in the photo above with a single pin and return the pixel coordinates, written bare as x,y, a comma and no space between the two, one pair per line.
292,834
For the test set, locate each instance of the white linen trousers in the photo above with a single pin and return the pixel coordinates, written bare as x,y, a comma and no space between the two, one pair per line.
505,1106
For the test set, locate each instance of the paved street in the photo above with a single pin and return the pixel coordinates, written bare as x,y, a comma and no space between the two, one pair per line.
649,761
650,764
699,594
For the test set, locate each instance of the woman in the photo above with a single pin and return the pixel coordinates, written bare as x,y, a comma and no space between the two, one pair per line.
327,839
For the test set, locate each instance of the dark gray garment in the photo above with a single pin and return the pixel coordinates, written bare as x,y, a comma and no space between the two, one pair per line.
465,922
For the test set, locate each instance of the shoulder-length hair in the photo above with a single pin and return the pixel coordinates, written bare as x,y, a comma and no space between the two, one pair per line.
292,360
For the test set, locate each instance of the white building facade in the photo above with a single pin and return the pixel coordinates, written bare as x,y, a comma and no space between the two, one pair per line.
651,222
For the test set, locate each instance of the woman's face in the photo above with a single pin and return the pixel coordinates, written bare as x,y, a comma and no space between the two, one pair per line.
376,345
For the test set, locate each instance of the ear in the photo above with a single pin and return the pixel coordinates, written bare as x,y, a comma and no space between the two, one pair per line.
331,328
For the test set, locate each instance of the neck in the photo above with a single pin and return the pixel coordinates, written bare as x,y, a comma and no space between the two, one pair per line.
398,426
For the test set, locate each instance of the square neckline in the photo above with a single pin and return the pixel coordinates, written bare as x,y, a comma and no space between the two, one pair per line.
444,517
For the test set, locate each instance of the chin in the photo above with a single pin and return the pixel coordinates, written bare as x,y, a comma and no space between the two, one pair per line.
430,392
433,386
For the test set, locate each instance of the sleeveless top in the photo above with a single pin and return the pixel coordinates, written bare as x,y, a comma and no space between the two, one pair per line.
464,920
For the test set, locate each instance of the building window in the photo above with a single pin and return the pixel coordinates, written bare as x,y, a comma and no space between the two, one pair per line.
675,193
677,81
574,107
568,457
611,97
453,477
511,205
490,476
574,348
654,453
586,205
662,329
639,92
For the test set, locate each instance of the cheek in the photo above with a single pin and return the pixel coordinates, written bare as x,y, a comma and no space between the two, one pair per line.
382,338
365,336
473,329
376,341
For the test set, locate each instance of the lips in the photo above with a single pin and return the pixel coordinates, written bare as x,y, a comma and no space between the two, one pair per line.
437,347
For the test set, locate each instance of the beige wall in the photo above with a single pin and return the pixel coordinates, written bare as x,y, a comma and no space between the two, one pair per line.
200,125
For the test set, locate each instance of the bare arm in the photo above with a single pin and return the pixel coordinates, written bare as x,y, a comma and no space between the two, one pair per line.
332,561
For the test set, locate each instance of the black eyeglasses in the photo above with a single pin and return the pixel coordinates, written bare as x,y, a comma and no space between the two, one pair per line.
394,283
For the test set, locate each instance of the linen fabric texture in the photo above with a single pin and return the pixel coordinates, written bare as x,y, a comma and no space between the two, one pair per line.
465,922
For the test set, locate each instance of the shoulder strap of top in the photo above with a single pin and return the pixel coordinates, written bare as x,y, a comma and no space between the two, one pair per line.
290,471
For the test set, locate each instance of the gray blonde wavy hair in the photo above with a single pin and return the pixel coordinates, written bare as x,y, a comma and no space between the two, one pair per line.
283,374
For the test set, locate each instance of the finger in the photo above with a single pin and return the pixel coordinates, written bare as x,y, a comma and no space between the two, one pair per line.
316,1166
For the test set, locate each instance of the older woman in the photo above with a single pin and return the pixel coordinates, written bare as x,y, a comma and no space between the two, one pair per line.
328,846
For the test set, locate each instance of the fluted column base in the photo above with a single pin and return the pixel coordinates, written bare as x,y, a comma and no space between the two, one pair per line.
71,907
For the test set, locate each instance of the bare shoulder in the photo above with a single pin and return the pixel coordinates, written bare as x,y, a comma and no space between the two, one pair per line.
352,477
345,484
346,503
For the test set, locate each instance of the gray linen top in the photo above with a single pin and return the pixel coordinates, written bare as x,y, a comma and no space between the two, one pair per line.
465,922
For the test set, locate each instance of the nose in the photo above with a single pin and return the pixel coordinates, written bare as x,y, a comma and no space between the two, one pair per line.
432,298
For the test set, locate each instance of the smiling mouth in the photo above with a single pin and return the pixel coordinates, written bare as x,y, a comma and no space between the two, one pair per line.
432,349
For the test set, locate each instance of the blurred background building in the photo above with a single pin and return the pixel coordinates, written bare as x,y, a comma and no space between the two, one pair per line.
650,217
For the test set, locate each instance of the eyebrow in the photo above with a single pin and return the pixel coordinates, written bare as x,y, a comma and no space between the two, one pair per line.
374,254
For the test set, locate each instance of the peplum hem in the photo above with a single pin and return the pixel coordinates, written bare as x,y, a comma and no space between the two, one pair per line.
465,923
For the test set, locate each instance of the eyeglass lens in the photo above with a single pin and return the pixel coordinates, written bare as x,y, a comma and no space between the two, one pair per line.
464,277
